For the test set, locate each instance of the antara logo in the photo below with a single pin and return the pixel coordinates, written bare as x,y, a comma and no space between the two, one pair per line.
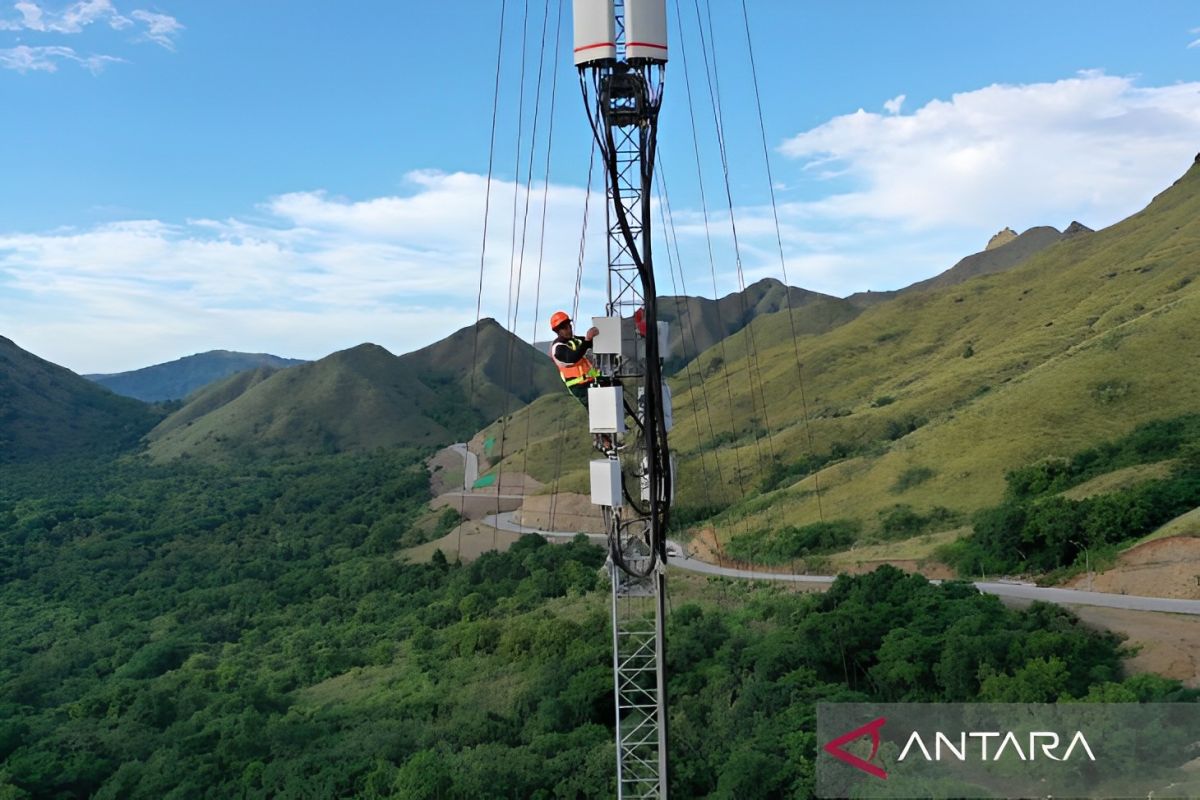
969,743
1048,740
834,748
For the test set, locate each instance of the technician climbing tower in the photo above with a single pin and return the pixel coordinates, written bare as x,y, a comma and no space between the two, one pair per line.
621,54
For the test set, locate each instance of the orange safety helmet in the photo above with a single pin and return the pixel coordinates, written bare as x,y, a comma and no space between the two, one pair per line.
557,319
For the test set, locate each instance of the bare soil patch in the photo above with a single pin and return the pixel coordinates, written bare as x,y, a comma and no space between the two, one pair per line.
506,494
1166,644
477,504
468,541
705,546
1167,567
564,511
445,464
934,570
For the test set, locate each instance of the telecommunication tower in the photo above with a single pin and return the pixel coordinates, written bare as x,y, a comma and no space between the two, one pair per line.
621,55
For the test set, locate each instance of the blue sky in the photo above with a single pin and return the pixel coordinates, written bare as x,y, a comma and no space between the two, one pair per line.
298,177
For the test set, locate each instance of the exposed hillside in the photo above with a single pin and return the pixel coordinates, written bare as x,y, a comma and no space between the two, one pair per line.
360,399
47,410
1002,253
177,379
926,400
1000,239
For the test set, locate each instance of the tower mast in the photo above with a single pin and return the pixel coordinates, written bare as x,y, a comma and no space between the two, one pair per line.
621,54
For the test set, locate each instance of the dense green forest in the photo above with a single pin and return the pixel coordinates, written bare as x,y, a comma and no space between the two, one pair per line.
189,631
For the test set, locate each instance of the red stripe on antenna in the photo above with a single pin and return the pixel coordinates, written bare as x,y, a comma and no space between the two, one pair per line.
593,46
646,44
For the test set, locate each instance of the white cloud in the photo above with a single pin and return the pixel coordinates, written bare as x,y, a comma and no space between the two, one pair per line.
894,105
1197,42
314,275
1091,147
46,59
72,19
879,201
160,28
310,272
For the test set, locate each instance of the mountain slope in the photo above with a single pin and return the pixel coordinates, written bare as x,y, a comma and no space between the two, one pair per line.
482,375
698,323
925,400
47,410
360,399
995,258
212,397
928,399
177,379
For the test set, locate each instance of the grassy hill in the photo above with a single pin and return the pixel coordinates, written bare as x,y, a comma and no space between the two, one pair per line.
47,410
698,323
360,399
479,378
177,379
926,400
212,397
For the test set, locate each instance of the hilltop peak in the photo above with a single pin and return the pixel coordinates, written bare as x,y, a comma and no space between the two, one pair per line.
1076,228
1000,239
175,380
366,348
362,398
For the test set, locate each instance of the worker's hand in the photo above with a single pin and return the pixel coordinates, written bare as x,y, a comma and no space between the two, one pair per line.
592,333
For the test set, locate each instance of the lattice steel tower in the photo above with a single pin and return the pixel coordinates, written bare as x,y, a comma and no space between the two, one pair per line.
621,53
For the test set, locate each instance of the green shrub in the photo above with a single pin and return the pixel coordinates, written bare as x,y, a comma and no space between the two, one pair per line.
902,522
912,477
791,542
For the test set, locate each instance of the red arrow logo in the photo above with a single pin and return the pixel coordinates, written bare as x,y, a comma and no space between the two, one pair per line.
834,748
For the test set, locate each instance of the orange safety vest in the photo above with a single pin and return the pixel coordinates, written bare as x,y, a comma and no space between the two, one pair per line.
581,371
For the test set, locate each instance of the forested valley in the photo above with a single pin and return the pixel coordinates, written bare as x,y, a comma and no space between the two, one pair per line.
247,630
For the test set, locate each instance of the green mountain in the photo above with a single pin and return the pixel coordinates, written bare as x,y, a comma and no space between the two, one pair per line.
482,377
47,410
360,399
177,379
698,323
212,397
926,400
